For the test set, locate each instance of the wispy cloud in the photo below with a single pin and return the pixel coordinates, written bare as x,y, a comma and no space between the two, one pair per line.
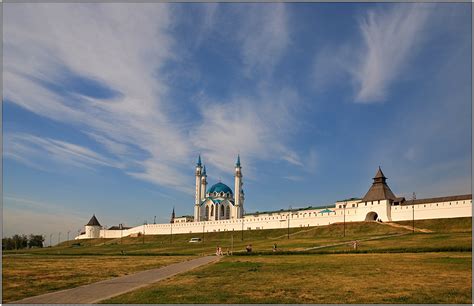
255,126
38,150
390,39
264,36
92,41
139,125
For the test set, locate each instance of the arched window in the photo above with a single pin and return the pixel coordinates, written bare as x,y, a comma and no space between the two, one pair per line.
227,212
207,212
212,210
222,211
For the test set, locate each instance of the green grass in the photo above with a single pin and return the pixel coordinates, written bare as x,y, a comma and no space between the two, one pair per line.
350,278
453,225
25,276
261,240
36,271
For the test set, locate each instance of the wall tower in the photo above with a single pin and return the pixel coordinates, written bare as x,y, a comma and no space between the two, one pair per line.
93,228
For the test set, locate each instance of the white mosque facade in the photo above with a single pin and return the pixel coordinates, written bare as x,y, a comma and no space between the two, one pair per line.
221,209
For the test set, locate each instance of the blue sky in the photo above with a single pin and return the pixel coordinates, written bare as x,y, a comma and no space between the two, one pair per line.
106,106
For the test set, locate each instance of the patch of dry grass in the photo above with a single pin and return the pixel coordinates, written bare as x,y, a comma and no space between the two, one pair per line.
29,275
349,278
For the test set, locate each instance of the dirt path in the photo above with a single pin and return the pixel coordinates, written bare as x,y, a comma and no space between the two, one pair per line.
349,242
421,230
102,290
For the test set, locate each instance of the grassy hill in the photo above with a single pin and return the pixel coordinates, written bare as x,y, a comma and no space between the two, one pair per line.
446,233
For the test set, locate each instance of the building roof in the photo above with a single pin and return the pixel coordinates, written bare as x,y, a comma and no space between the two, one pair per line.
379,189
439,199
325,211
293,210
220,187
350,199
117,227
93,221
187,216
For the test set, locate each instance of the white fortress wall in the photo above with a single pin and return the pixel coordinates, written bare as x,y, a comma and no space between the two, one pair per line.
303,218
436,210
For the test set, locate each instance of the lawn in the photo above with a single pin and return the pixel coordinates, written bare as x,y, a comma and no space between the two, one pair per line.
312,277
344,278
29,275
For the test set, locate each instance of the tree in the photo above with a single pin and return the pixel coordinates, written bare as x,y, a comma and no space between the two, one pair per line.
35,241
20,241
8,244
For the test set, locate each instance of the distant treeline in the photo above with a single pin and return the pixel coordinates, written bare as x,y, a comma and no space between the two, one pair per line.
17,242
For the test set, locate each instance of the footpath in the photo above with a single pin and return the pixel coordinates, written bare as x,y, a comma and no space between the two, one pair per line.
96,292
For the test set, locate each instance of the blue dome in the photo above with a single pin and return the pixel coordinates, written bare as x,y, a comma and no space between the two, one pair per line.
220,187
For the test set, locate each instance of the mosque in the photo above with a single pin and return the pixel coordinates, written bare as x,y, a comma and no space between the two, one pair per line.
220,209
219,202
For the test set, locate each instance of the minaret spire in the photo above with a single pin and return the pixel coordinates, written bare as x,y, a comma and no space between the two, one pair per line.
238,199
199,187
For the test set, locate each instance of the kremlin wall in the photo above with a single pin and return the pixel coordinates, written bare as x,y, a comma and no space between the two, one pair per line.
379,204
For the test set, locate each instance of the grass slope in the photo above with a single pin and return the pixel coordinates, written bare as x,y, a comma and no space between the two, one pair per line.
361,278
261,240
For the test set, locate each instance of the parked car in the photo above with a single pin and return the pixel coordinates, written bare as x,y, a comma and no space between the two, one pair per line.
195,240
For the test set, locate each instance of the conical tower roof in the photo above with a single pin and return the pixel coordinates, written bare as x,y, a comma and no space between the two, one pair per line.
93,221
379,189
379,174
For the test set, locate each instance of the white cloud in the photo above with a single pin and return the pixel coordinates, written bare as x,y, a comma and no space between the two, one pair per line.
121,46
390,39
294,178
124,47
264,36
256,126
37,149
208,21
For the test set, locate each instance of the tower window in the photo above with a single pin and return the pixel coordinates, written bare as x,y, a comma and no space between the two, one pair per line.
212,211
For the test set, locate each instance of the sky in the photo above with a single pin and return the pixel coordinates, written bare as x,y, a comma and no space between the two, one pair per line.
107,106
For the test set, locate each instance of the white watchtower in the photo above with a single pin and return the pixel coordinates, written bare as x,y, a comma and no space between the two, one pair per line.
93,228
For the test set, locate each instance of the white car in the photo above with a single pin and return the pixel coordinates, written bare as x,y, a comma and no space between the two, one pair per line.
195,240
